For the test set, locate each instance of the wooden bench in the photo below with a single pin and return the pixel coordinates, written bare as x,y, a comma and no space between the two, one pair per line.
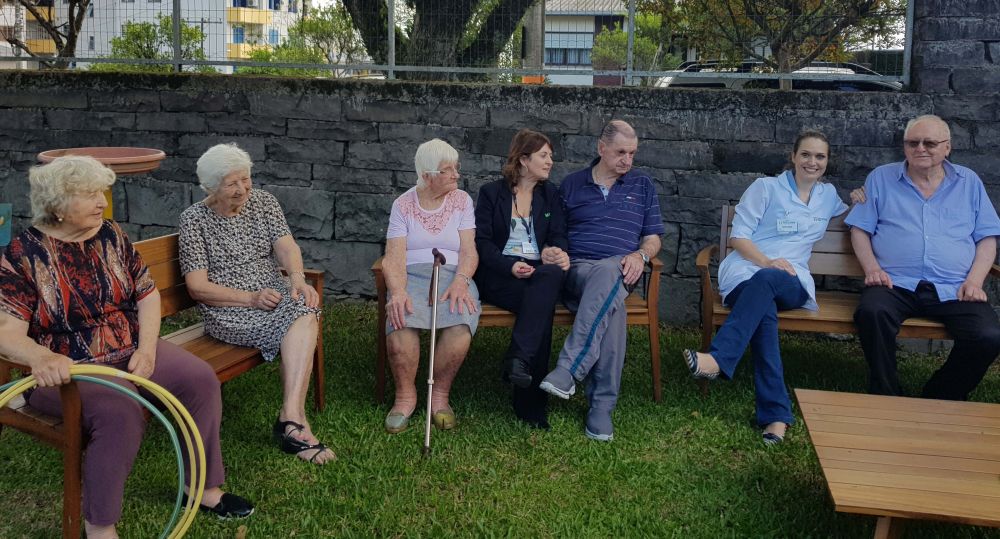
833,255
641,311
228,361
901,458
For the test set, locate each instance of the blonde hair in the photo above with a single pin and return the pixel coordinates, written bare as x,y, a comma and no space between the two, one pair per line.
430,155
220,161
55,184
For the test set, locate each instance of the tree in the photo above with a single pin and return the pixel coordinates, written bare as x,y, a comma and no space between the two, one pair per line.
293,51
64,35
463,33
149,41
648,48
331,31
785,35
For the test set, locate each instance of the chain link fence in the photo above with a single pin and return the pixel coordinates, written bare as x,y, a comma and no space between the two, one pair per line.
705,43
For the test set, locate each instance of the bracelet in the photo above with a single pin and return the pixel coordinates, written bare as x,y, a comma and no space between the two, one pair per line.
468,281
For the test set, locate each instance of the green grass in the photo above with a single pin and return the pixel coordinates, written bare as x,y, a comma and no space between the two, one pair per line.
688,467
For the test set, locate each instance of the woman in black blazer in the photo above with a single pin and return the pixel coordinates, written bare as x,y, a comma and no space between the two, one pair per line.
521,239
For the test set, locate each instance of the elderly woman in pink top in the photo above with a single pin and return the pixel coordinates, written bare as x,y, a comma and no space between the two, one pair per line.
433,214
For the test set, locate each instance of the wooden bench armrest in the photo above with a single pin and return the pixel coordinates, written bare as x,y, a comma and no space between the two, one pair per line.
315,278
995,270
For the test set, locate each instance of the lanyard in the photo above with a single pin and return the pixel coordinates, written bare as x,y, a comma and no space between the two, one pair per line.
530,229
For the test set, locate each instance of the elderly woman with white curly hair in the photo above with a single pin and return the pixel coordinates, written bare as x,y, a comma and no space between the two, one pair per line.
73,290
432,214
232,245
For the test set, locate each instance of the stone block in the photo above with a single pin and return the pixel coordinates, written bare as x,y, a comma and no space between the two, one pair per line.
550,119
352,180
472,184
983,162
15,190
305,151
385,111
154,202
134,232
701,211
671,243
362,217
416,134
195,145
579,148
954,28
155,231
346,264
386,155
763,158
25,141
951,8
855,163
993,50
932,80
693,239
961,135
564,168
238,124
679,300
949,53
139,139
344,131
873,133
978,108
493,141
834,127
276,172
105,121
666,182
125,101
21,119
22,98
674,155
977,81
310,213
310,107
119,202
986,135
202,102
180,170
178,122
714,185
462,115
482,165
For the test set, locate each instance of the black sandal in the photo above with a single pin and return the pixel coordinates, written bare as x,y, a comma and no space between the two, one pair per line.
291,445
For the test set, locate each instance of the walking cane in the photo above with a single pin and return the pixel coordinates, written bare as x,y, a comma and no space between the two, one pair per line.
433,301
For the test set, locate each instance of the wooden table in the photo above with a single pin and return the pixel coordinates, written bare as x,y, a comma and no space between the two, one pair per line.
902,458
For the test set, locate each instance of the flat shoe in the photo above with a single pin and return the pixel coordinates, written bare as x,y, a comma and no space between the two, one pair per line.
397,422
444,419
229,506
691,358
771,438
518,372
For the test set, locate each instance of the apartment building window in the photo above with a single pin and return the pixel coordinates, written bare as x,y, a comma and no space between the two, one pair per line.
274,5
238,34
273,36
239,3
568,48
90,43
90,10
293,6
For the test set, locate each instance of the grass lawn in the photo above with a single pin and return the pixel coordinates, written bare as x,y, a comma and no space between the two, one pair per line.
688,467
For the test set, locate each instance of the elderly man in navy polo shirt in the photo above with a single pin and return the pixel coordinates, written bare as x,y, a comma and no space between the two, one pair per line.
926,239
614,226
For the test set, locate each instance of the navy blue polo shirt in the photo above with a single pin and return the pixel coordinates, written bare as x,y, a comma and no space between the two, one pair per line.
600,227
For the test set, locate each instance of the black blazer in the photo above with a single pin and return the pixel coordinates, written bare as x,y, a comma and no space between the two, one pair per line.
493,211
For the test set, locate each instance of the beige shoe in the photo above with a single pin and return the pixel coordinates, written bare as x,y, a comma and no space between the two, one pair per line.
445,419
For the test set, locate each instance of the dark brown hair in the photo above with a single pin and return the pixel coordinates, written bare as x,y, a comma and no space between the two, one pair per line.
524,143
804,134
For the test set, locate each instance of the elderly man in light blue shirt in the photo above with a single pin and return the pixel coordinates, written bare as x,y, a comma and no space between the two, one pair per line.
926,239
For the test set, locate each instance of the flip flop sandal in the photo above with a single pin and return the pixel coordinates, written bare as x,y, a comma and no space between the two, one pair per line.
286,441
320,448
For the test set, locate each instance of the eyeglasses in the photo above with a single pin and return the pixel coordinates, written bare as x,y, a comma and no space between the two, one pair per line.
448,170
928,144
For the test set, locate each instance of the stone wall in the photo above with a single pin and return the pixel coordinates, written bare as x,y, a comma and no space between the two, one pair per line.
336,153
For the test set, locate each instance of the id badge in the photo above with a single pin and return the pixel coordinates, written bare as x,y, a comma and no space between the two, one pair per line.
787,226
528,248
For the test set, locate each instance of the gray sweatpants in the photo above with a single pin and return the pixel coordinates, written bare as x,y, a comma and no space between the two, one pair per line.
596,344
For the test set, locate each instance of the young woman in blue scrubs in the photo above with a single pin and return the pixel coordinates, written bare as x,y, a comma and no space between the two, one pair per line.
777,222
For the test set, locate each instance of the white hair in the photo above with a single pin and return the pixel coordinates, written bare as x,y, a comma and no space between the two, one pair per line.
220,161
927,118
430,155
55,184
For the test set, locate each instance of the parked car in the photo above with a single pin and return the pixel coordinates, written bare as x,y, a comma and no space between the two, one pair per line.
710,75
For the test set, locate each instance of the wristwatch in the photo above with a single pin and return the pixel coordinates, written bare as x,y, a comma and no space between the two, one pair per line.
645,257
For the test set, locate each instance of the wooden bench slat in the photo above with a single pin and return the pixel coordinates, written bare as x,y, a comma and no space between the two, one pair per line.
932,448
988,489
884,459
958,408
917,471
871,500
944,421
903,432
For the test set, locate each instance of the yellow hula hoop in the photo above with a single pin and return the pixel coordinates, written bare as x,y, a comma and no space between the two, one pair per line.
188,428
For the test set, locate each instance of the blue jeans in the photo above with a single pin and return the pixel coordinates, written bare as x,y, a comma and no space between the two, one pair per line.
754,320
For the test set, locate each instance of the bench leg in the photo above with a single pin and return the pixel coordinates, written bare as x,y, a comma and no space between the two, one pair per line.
381,354
72,465
319,376
888,528
706,343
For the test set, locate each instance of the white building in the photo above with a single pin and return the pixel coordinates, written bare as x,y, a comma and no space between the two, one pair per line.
570,28
232,28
